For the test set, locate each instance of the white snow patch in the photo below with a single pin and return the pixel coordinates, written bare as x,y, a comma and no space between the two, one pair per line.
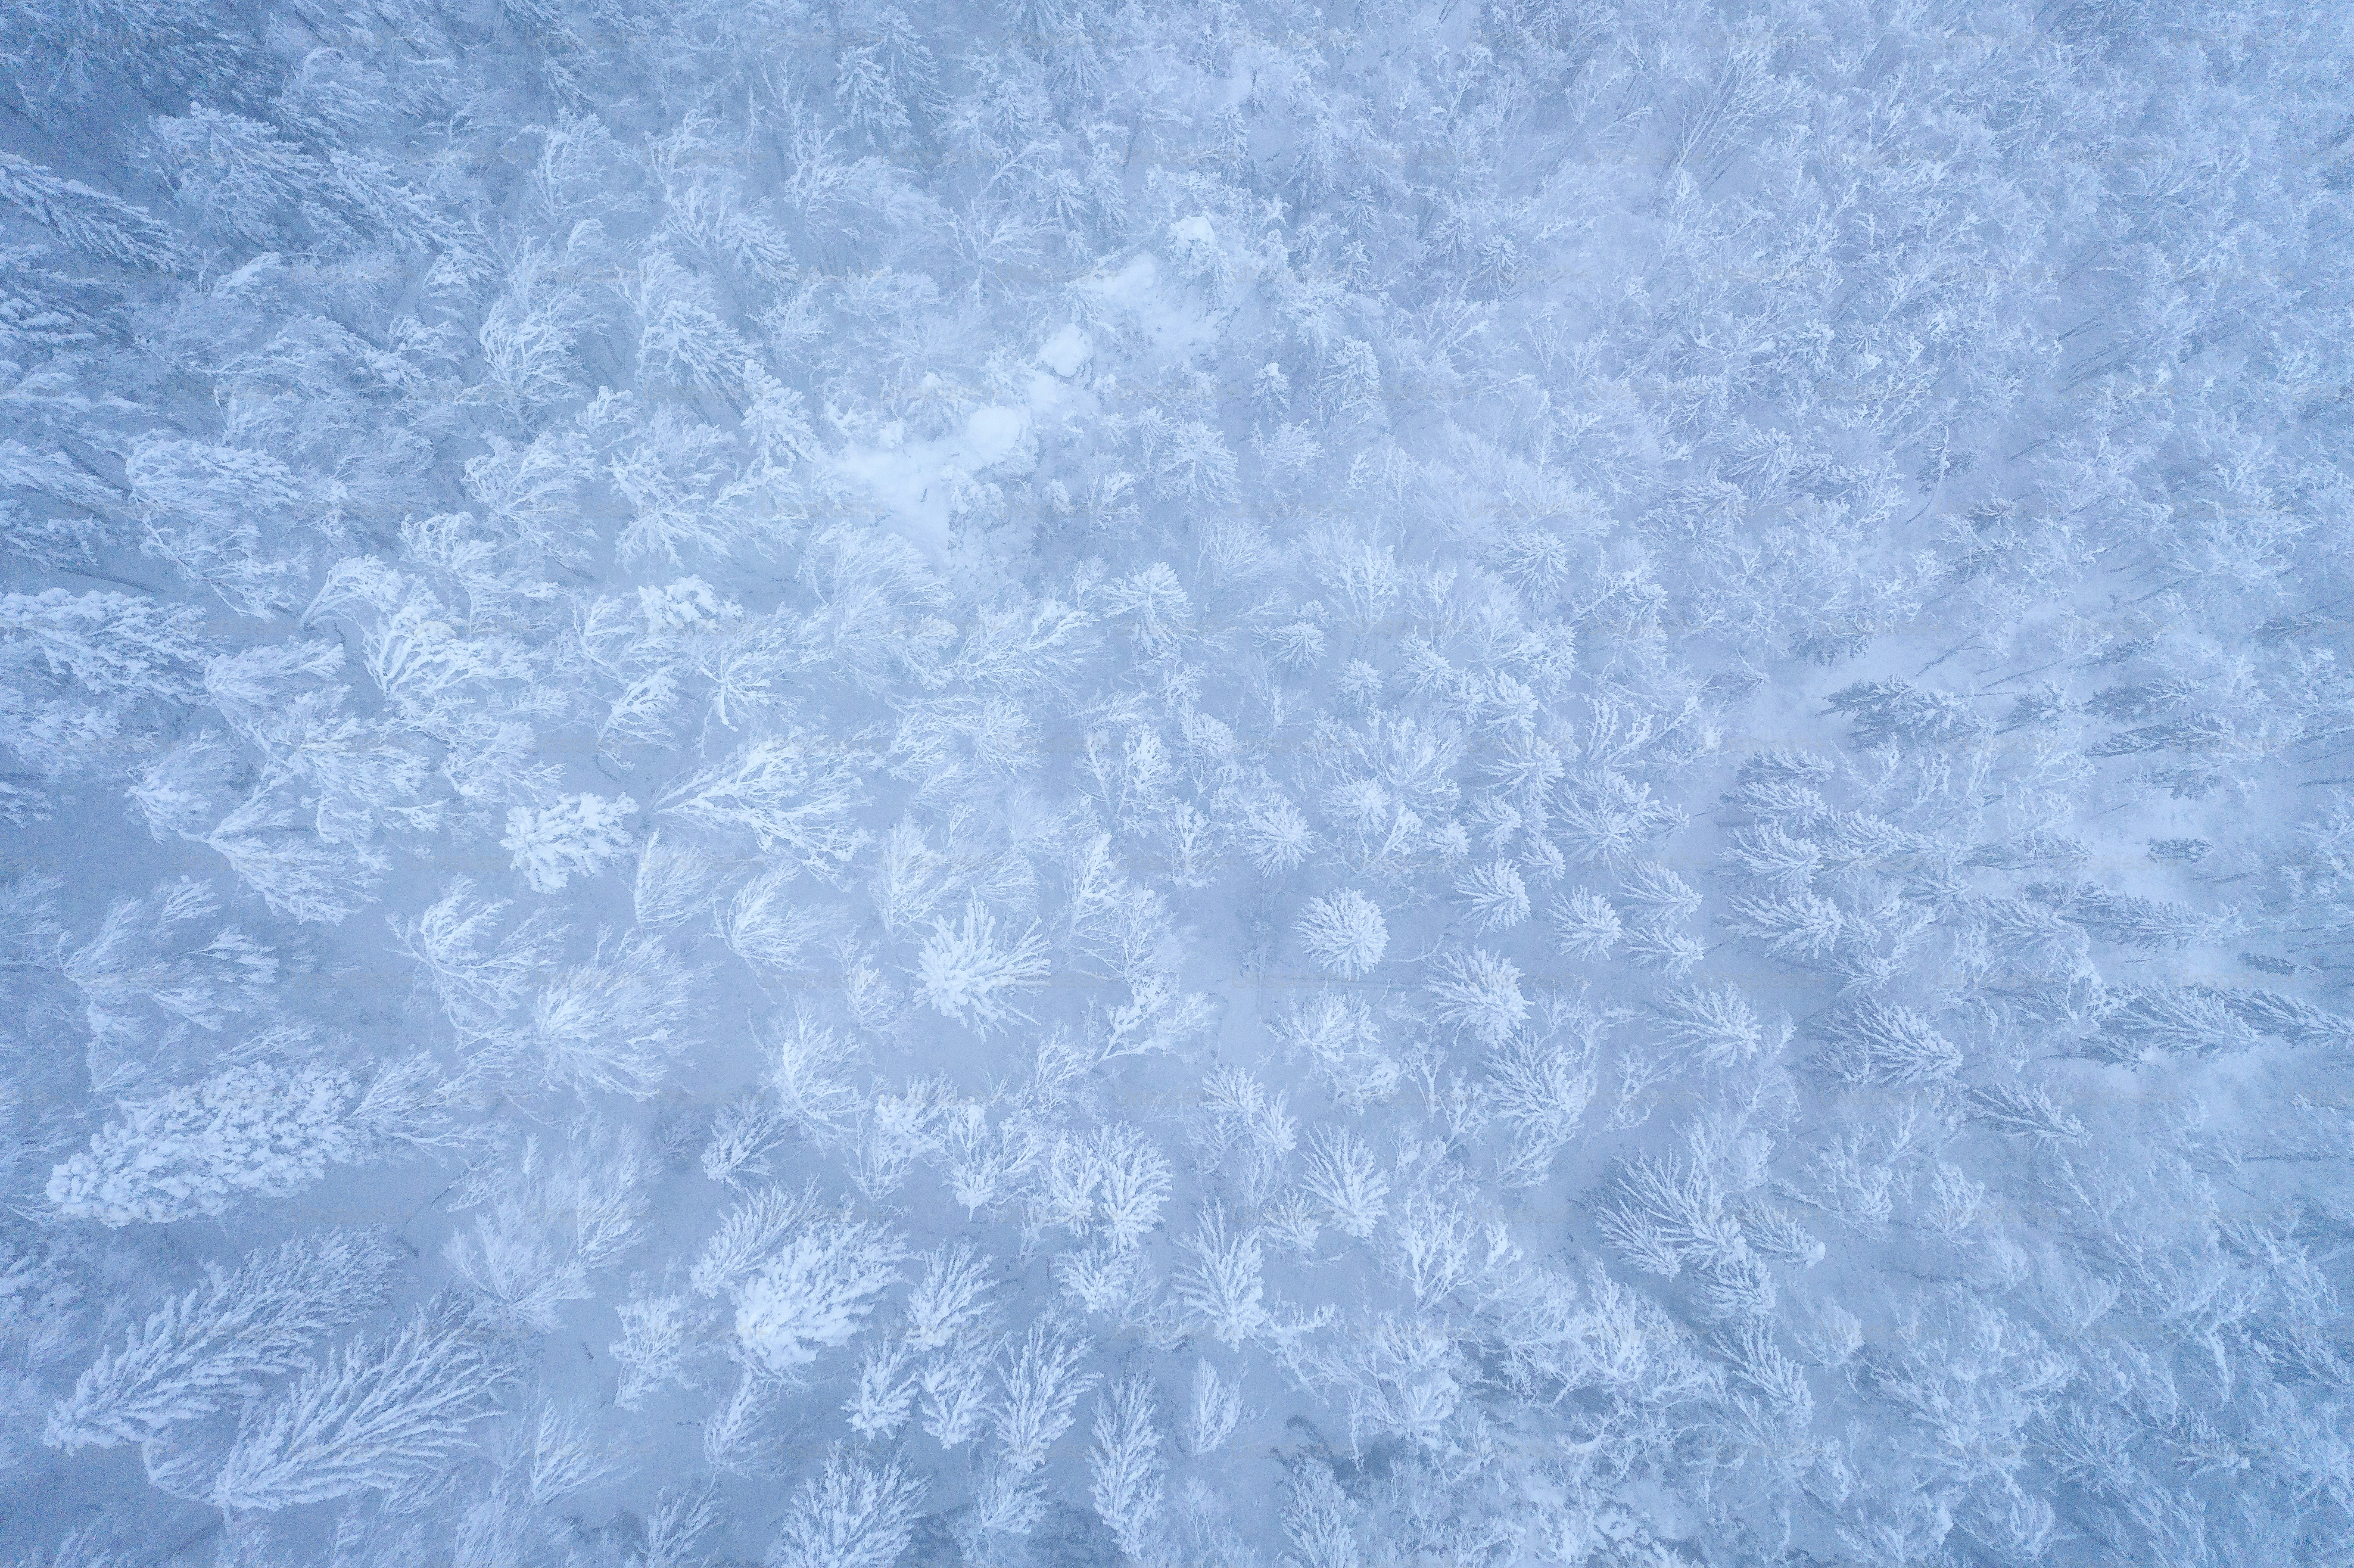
992,435
1066,351
916,482
1174,324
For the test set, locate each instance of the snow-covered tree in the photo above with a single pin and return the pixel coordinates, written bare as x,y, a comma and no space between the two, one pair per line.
545,1226
388,1413
152,976
1221,1281
215,1345
792,794
851,1514
574,837
1478,991
1345,932
1126,1467
264,1128
815,1292
969,973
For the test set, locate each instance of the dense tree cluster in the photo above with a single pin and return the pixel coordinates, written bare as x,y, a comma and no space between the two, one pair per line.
1529,783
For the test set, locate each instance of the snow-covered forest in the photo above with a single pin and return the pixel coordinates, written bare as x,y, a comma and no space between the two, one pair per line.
1476,784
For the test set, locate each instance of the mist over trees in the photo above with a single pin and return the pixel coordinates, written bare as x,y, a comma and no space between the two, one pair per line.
1502,784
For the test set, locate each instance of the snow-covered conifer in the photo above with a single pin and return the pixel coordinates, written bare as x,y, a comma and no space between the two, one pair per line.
389,1413
968,972
814,1292
851,1514
1124,1465
1345,933
574,837
215,1344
